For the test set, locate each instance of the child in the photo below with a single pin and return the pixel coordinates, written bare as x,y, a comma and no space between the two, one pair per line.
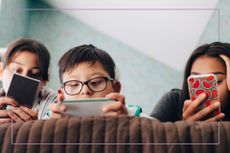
177,105
29,58
88,72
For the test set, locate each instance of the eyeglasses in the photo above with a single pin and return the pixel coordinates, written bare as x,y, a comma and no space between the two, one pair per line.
74,87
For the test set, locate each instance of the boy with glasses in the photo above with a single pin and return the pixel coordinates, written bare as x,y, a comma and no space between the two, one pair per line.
88,72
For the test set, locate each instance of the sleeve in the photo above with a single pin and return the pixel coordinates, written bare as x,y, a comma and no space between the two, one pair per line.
135,110
167,108
48,97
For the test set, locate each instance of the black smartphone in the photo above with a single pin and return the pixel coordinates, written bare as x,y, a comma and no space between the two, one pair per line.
23,90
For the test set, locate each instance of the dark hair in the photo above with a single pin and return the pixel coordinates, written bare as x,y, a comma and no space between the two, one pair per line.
32,46
211,50
86,53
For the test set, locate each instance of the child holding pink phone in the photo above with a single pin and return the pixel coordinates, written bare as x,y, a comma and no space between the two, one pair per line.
207,59
205,83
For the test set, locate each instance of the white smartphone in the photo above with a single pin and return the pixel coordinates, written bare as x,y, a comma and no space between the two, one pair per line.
23,90
86,107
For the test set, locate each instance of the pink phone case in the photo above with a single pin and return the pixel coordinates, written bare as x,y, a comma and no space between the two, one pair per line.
204,84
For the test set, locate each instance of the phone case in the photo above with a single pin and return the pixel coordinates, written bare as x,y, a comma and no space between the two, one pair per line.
86,107
204,84
23,89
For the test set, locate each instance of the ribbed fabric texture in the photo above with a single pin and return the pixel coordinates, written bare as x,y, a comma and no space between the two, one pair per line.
114,135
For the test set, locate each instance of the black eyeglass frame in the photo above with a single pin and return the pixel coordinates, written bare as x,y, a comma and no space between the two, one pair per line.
86,83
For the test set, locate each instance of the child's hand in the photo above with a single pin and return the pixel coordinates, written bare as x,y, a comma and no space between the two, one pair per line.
7,101
17,114
4,117
115,108
190,110
22,114
58,109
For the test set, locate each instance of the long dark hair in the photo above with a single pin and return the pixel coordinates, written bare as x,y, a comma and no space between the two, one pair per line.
211,50
33,46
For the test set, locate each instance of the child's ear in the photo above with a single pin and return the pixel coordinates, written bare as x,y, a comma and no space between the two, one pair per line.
117,86
59,91
60,95
1,70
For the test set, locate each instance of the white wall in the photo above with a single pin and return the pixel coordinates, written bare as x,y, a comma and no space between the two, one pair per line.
2,50
155,28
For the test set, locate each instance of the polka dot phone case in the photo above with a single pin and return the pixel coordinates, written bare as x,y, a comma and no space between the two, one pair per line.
204,84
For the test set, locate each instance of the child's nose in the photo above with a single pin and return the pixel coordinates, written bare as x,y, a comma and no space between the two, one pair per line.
24,73
85,90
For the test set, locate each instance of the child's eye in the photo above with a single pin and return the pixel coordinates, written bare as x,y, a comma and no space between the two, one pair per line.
73,84
96,82
16,70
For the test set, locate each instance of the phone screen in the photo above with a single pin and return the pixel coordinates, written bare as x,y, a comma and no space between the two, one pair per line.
204,84
23,90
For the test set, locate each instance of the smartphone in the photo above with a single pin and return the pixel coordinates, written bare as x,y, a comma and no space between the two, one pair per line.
23,89
86,106
204,84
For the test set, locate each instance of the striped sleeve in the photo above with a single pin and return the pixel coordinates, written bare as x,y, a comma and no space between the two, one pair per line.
48,97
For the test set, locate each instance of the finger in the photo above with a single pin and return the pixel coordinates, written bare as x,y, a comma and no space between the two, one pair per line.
117,97
3,113
115,107
204,112
57,108
216,118
7,101
111,114
57,115
194,105
186,104
33,114
14,117
5,120
20,113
